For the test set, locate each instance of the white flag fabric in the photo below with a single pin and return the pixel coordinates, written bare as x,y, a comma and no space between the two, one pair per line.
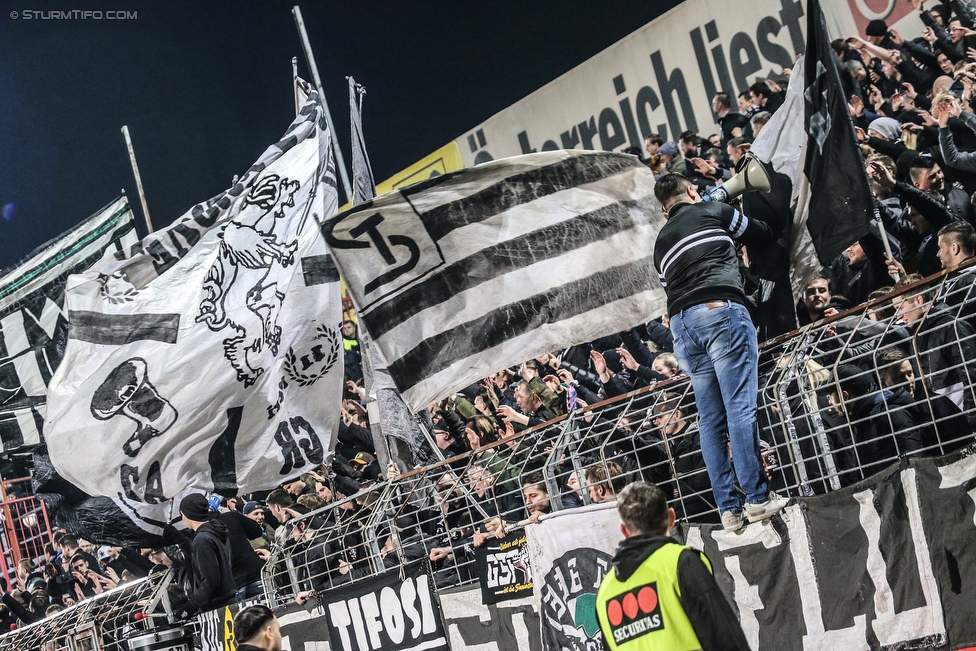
469,272
782,143
570,552
32,318
209,358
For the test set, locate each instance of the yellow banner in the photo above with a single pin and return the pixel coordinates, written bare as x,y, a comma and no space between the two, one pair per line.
444,160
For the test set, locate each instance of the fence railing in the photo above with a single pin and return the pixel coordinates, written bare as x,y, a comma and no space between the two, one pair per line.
26,528
104,621
838,401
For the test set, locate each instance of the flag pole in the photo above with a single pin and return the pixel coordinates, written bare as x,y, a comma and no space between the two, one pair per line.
340,162
135,171
294,82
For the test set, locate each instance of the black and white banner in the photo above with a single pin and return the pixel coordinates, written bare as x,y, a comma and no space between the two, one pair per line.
33,323
480,269
887,563
507,626
504,569
386,612
209,356
570,553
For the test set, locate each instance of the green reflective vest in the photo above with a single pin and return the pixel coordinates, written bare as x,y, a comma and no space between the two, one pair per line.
644,612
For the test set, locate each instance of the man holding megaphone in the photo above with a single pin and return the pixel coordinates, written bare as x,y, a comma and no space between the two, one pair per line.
714,337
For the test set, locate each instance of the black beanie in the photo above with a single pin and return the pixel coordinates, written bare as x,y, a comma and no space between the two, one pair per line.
876,27
195,507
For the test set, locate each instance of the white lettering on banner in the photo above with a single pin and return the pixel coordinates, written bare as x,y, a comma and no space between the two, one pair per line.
28,426
369,616
957,474
392,615
19,353
371,613
748,601
889,626
634,87
14,334
501,568
49,317
816,639
746,596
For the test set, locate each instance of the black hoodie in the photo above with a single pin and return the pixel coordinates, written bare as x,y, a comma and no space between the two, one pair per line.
707,609
211,577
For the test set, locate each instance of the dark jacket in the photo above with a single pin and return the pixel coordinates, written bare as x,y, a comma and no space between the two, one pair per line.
695,253
211,576
948,355
692,483
245,563
710,614
958,295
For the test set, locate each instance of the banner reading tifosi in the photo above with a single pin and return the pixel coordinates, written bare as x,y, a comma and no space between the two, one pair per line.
503,568
386,612
887,563
661,78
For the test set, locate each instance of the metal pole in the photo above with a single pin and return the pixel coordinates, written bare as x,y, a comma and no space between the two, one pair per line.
340,162
294,82
887,244
135,171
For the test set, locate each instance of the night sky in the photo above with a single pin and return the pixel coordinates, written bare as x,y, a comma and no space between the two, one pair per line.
205,87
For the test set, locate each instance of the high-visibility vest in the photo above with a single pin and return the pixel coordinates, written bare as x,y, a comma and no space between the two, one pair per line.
644,612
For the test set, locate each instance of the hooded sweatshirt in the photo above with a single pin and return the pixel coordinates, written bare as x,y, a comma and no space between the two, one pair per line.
212,579
710,614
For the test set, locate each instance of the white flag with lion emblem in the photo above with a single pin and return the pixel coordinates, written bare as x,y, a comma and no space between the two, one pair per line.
209,357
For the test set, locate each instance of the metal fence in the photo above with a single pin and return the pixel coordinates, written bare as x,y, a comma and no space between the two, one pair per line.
105,621
838,401
26,527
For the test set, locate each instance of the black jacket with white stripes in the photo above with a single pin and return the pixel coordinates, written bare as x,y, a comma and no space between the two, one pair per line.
695,253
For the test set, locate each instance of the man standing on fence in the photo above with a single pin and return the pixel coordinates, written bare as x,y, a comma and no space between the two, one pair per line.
715,340
659,594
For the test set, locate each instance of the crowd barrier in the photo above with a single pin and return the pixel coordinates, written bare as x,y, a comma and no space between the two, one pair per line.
108,621
26,527
820,436
835,406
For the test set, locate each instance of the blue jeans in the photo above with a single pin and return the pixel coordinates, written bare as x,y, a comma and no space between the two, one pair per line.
717,348
254,589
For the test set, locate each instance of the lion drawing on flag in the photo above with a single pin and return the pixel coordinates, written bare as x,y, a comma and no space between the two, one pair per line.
241,290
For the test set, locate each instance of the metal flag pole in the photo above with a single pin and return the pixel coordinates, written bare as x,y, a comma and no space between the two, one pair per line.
135,171
294,83
340,162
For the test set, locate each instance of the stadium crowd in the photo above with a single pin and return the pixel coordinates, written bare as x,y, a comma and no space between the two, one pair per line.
889,379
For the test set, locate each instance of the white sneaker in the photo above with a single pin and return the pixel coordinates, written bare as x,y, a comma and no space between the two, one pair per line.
732,522
773,505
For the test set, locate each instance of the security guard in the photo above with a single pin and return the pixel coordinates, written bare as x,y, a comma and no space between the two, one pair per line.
659,594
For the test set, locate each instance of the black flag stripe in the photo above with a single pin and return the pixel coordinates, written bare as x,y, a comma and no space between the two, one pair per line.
505,257
319,270
121,329
436,353
520,189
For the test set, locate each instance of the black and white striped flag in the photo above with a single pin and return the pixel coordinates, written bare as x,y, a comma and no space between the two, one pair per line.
33,323
466,273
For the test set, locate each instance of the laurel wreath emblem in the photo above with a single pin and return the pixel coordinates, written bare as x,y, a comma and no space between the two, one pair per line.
118,295
302,379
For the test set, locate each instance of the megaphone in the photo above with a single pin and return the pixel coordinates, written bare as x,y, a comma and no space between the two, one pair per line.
750,178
